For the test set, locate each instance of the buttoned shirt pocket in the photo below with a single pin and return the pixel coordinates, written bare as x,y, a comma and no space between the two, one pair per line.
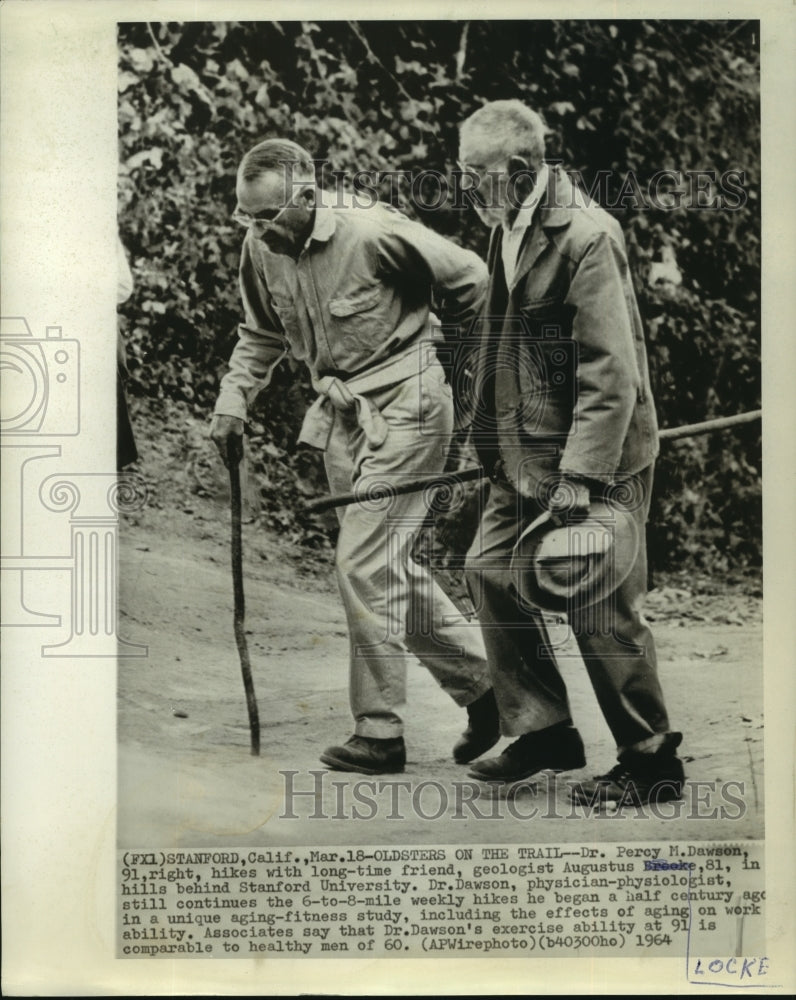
356,316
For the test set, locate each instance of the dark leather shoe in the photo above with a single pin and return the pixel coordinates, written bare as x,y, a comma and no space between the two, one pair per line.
637,779
557,748
367,756
483,729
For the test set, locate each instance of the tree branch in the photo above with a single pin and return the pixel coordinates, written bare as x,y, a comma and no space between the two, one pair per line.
158,49
322,74
373,58
461,55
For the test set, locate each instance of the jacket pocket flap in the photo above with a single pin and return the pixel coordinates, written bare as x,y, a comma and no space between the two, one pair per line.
540,305
348,305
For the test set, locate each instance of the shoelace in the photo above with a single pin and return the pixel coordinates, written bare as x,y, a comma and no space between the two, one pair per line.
619,773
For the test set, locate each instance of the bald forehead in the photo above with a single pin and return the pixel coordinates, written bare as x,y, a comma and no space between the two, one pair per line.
290,170
270,189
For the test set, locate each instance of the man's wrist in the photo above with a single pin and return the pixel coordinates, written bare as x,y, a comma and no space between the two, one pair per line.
571,494
578,478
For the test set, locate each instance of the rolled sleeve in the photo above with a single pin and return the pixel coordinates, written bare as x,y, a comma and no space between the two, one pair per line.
261,344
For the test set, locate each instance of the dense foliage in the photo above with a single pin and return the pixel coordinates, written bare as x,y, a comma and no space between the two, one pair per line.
624,101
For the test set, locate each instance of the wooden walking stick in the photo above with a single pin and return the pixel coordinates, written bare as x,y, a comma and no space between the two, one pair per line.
708,426
475,472
233,463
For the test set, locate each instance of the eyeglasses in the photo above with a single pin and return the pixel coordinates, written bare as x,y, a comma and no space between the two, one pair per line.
470,172
264,219
468,168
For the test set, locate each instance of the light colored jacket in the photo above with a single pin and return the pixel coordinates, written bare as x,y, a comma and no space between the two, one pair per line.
360,293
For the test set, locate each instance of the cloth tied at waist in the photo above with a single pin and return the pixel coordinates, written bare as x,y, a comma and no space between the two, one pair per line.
351,395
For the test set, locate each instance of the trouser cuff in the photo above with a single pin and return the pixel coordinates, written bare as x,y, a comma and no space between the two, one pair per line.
658,742
522,724
378,729
465,698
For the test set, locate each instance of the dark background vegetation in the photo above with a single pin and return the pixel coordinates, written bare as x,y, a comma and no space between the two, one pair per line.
629,97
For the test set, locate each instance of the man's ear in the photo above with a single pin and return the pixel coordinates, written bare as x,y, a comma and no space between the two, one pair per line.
522,178
307,197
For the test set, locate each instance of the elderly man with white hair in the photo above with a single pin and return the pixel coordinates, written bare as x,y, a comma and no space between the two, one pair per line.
565,424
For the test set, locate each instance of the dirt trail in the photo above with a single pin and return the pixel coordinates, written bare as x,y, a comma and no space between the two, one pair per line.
191,780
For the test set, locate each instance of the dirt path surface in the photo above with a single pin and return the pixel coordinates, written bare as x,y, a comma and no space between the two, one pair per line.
187,778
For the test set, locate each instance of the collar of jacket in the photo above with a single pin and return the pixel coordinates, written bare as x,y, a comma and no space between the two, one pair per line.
555,209
554,212
323,225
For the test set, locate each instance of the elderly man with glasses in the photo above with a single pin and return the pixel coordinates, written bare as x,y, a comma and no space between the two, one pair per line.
563,421
350,291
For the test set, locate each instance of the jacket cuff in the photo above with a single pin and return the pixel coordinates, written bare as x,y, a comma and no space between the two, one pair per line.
594,482
587,466
230,404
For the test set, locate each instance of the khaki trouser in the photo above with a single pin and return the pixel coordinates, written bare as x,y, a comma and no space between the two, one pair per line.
614,640
396,612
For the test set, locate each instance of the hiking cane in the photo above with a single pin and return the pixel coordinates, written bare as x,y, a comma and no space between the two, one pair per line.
476,472
233,462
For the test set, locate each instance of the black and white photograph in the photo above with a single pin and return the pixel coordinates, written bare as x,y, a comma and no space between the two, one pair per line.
419,546
323,253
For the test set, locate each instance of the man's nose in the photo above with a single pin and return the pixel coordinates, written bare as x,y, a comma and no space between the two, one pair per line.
469,180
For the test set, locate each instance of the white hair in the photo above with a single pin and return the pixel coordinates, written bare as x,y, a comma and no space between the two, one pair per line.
512,127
